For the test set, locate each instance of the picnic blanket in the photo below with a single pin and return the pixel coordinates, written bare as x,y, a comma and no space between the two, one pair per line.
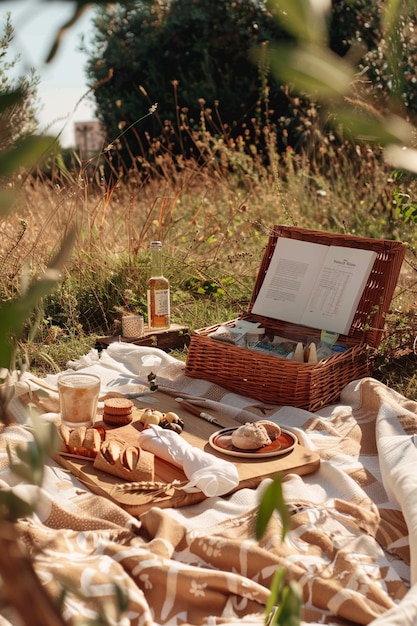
353,540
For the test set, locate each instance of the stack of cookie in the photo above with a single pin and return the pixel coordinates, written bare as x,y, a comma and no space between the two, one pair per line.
117,411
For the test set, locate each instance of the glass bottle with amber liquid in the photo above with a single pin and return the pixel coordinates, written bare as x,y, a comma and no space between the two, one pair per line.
158,294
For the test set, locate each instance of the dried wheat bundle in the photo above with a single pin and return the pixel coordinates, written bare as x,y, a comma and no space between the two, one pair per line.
148,485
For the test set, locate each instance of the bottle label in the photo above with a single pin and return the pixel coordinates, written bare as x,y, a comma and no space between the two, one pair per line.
162,302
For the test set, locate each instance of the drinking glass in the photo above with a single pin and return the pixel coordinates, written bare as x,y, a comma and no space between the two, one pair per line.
78,398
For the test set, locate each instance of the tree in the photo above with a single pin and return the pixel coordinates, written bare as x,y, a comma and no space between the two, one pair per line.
19,117
196,59
369,92
361,24
188,56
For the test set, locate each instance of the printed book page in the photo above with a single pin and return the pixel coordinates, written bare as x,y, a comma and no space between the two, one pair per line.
287,286
314,285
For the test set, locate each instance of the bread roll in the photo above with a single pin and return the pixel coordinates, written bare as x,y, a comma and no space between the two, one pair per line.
64,432
80,441
92,441
255,435
273,430
76,440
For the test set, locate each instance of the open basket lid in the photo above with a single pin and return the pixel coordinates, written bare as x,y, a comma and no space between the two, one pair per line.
369,319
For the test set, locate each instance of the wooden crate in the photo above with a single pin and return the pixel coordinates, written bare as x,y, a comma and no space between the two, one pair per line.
176,337
310,386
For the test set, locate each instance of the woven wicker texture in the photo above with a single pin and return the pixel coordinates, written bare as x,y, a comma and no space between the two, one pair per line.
310,386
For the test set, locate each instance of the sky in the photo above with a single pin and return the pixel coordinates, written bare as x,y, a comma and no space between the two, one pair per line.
62,81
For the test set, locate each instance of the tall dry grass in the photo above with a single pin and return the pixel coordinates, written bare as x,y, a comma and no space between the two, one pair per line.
214,221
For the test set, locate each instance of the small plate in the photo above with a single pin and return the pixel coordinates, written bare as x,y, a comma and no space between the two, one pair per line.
221,441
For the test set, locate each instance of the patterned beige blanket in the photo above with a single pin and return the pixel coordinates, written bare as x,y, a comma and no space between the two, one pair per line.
352,544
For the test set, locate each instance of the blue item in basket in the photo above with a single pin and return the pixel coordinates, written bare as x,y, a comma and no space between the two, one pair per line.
338,347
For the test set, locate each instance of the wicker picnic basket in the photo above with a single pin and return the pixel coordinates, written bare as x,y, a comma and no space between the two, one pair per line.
310,386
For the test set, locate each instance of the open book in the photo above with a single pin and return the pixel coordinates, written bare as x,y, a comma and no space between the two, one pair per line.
314,285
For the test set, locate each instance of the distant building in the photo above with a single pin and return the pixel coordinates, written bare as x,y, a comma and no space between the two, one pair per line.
89,138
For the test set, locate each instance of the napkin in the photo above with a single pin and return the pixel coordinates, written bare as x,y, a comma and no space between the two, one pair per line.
206,473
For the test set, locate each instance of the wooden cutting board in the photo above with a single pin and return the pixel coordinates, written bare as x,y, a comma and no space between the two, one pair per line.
197,432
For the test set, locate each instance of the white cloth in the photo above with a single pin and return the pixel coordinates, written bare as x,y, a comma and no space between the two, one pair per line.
334,430
207,473
398,462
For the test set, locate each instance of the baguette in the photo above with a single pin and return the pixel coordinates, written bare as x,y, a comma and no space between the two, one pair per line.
125,461
111,451
130,457
111,456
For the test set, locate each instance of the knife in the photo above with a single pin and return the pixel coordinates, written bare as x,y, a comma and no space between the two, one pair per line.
196,411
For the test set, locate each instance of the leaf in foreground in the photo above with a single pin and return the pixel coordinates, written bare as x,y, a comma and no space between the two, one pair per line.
272,500
14,313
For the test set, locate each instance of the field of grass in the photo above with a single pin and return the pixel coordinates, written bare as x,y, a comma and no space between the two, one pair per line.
214,222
